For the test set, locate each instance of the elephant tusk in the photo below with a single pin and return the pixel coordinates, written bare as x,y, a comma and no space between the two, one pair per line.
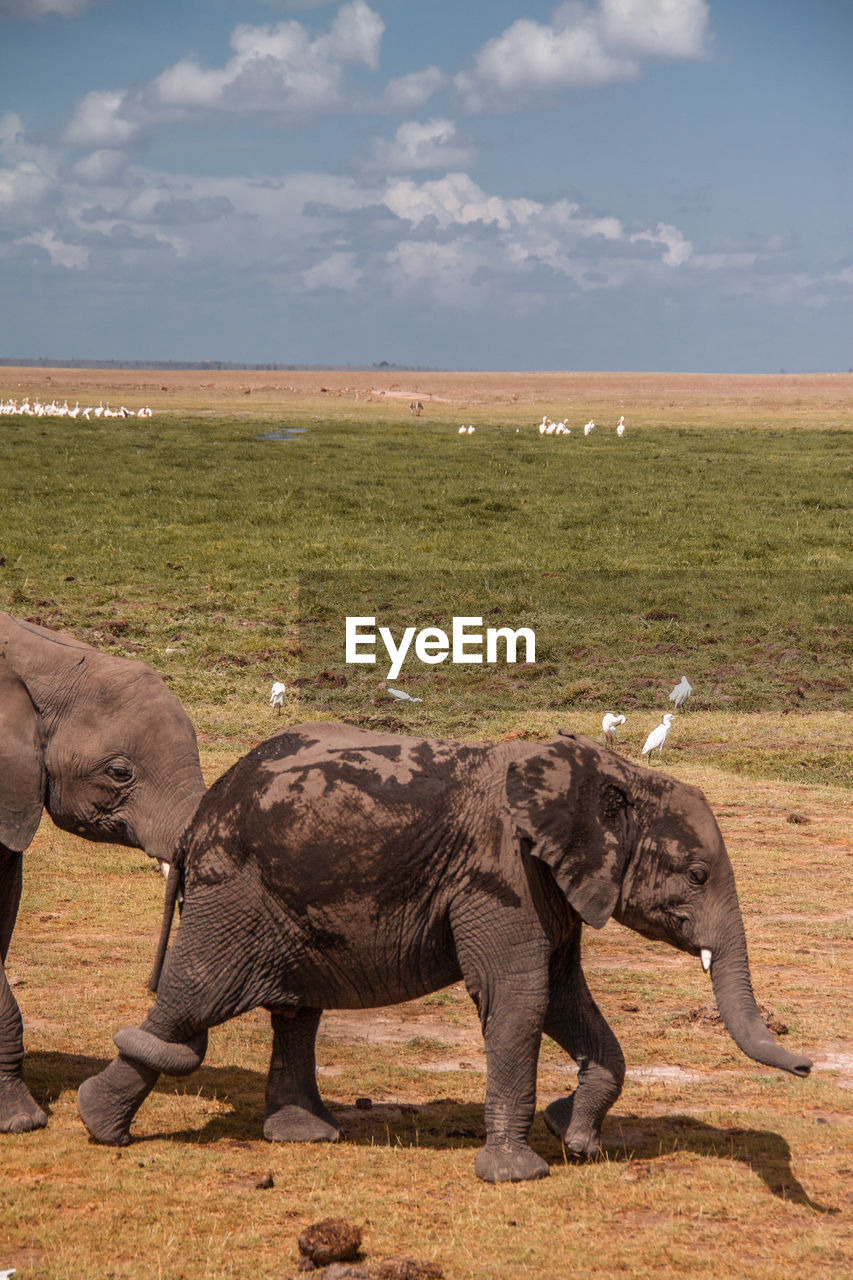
706,959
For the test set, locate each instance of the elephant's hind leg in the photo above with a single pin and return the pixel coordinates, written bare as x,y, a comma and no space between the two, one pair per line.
576,1023
295,1110
19,1111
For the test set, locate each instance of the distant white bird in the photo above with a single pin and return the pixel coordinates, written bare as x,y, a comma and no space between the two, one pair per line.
277,695
610,724
462,431
620,426
401,695
7,1275
657,737
681,692
588,427
471,431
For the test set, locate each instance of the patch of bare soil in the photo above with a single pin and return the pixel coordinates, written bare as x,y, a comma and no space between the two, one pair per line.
394,1025
777,392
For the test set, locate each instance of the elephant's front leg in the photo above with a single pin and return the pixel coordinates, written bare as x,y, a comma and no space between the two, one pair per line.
510,988
19,1110
295,1110
576,1023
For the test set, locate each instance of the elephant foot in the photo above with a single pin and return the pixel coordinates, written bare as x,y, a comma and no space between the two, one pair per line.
296,1124
19,1111
509,1162
578,1136
108,1102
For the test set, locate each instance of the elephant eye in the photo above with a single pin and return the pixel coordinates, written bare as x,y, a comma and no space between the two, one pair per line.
697,875
119,771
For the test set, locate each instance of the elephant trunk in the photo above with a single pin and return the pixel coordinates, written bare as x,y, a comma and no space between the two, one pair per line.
174,801
739,1011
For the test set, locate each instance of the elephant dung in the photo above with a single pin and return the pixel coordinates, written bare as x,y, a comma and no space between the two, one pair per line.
332,1240
406,1269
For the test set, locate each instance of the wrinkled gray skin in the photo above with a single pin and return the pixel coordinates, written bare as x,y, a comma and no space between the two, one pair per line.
335,868
102,744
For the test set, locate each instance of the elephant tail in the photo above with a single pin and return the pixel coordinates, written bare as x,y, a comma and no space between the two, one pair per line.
174,888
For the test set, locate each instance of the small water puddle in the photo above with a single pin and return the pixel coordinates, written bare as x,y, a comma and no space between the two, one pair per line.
284,434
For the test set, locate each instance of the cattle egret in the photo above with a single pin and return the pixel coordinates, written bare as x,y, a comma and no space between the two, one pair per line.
470,431
610,724
402,696
461,431
277,695
681,692
657,737
588,427
620,426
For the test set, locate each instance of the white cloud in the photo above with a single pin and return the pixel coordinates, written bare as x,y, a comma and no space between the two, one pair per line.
677,250
34,9
338,271
277,69
581,47
28,177
98,121
100,166
435,144
656,28
62,254
24,185
455,198
410,92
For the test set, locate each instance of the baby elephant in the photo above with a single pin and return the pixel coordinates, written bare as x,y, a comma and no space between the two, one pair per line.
336,868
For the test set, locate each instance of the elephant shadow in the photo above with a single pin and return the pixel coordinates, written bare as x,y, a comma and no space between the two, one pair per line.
441,1124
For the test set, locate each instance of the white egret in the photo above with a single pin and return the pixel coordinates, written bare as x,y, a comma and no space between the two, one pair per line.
681,692
588,427
610,724
277,695
401,695
620,426
657,737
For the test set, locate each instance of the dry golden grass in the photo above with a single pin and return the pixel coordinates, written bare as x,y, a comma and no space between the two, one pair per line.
821,399
713,1165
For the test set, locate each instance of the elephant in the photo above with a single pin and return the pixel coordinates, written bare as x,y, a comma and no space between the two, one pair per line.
334,867
103,745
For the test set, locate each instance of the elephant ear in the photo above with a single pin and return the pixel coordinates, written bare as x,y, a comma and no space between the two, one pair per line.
23,778
566,811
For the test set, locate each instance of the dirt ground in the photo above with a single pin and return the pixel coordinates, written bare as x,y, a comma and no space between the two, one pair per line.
824,392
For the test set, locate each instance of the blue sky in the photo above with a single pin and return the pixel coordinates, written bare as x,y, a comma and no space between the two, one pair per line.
594,184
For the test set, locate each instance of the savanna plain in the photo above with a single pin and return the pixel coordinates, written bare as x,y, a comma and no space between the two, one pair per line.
223,541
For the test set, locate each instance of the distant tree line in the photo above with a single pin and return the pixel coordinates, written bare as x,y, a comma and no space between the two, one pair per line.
46,362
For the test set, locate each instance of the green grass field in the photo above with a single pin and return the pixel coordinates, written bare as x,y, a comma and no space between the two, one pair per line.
712,541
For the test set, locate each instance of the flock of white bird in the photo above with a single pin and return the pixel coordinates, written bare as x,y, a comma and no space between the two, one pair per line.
658,736
549,428
611,722
52,409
